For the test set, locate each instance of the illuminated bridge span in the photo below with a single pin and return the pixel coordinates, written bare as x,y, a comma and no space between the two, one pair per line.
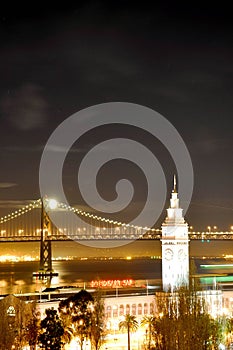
33,223
26,224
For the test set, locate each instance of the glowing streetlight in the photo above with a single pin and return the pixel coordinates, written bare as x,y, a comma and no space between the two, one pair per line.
52,204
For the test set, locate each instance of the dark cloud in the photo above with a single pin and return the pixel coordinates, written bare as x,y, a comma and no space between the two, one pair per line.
14,204
25,108
22,149
7,184
176,59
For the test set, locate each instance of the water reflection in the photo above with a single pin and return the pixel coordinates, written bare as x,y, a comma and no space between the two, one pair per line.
3,283
17,277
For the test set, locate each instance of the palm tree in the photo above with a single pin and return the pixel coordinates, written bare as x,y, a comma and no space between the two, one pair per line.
149,322
130,324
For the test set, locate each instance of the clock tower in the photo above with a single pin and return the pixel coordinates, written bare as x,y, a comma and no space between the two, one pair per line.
175,246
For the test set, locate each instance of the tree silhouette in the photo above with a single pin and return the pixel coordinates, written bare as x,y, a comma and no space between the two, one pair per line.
97,321
184,322
148,321
14,317
32,330
228,330
51,331
130,324
76,311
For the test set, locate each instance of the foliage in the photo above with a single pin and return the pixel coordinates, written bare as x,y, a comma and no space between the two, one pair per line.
32,329
76,313
97,322
130,324
149,322
184,322
68,330
14,317
51,331
228,328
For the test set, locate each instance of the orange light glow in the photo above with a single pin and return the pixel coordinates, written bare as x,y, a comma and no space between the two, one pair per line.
112,283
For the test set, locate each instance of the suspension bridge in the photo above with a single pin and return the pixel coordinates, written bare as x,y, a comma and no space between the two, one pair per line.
29,222
32,223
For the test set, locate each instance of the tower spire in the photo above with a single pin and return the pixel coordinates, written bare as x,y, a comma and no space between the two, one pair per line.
174,184
175,245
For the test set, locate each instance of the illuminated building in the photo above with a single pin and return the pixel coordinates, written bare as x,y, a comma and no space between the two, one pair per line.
175,246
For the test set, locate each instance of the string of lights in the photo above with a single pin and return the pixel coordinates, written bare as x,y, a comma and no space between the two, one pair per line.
37,204
61,206
22,211
106,220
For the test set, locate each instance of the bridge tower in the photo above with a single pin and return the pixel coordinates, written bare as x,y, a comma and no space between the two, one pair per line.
45,244
175,246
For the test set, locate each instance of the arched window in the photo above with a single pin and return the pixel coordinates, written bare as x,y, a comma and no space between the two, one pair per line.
145,308
127,309
139,309
121,310
151,308
109,311
134,309
115,311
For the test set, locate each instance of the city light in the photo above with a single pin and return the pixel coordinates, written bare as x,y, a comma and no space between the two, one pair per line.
52,204
114,283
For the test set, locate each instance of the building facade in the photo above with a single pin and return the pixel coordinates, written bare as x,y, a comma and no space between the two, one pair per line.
175,246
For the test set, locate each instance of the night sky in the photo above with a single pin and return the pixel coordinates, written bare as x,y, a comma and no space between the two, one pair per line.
175,59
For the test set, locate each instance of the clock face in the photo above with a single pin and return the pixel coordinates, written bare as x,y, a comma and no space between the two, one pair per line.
181,254
168,254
